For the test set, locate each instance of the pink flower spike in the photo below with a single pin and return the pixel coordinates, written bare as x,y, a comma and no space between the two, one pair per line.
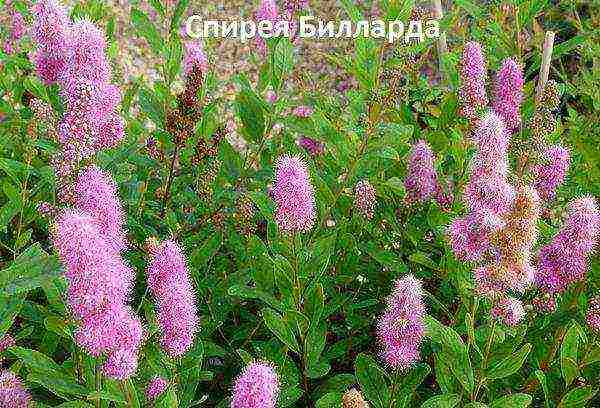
509,311
592,317
365,199
294,196
6,341
194,57
473,74
421,181
508,93
303,111
551,172
156,387
50,32
565,260
401,328
169,281
12,393
256,387
96,194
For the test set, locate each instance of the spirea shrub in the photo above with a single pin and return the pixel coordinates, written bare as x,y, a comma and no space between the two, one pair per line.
284,221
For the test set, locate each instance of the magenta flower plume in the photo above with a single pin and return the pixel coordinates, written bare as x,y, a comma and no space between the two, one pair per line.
470,235
15,25
303,111
509,311
421,181
96,194
99,283
115,327
267,11
564,260
156,387
271,96
194,57
508,93
6,341
473,74
365,199
551,172
401,329
295,6
86,57
312,146
592,317
50,33
12,392
121,364
169,281
294,196
488,188
96,274
256,387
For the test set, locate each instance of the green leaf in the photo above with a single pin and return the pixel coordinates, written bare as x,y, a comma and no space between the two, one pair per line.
454,350
314,344
542,379
57,383
442,401
204,253
144,26
167,400
29,271
512,401
509,365
372,381
35,360
330,400
9,309
568,353
250,111
280,328
180,9
396,185
578,397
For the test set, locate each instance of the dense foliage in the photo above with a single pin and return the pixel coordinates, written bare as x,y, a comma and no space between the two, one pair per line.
421,232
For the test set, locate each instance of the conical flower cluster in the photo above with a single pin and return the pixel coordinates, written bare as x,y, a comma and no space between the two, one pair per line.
256,387
488,195
508,93
73,55
509,311
50,34
592,317
513,244
96,194
421,180
12,392
365,199
99,283
294,196
170,283
401,329
194,58
156,387
564,260
551,172
473,74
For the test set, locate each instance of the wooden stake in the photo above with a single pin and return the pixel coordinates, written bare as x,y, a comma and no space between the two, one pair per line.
442,46
545,66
